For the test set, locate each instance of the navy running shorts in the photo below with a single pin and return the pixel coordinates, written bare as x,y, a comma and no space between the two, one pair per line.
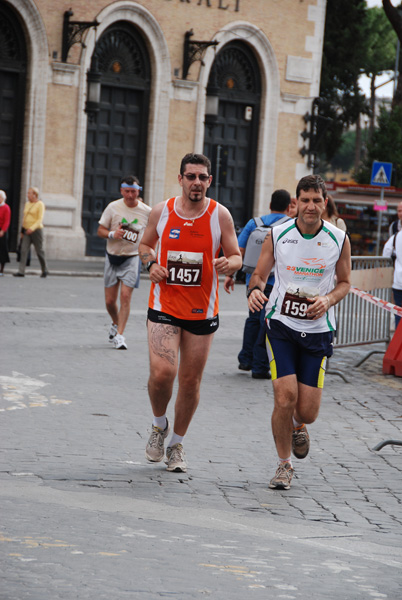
297,353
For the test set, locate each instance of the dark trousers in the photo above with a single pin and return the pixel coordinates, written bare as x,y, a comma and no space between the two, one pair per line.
254,350
398,302
35,238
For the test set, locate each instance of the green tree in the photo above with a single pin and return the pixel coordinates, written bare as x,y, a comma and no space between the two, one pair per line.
385,146
386,141
345,46
344,158
380,52
394,14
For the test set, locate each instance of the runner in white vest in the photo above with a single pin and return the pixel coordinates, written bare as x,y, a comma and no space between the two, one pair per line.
312,274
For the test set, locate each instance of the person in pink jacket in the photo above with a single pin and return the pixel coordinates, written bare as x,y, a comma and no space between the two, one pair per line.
5,216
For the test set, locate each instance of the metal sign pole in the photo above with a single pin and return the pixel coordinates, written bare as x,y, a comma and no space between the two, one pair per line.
377,249
381,174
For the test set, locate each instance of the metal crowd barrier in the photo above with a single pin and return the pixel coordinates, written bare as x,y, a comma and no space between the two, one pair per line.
358,321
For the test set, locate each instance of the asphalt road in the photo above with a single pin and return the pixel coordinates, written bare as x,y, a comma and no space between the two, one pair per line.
85,516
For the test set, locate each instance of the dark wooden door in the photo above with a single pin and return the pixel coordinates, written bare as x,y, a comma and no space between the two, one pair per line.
116,139
230,140
230,145
12,109
113,150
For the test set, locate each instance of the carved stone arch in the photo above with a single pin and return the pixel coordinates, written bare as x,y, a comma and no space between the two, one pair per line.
235,71
12,44
120,54
257,41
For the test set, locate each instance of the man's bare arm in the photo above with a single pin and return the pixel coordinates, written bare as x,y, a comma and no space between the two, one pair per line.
261,273
146,249
232,260
343,268
343,271
264,265
147,246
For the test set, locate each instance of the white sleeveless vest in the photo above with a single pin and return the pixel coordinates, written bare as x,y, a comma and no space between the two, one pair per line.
304,268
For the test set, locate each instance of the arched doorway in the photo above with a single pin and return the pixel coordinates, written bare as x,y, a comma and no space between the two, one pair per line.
13,68
116,140
231,139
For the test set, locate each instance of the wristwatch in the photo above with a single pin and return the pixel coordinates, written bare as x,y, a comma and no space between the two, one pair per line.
252,290
150,263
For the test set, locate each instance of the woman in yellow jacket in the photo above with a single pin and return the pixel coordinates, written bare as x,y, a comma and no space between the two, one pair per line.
32,232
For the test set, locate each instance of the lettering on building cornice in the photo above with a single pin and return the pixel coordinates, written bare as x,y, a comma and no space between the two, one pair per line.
233,5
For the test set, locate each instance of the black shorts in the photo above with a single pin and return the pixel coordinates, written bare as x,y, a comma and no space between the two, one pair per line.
197,327
296,353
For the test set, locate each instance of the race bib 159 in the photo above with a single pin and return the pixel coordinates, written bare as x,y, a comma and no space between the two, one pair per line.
295,306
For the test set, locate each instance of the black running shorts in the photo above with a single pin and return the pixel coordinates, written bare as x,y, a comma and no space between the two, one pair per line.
197,327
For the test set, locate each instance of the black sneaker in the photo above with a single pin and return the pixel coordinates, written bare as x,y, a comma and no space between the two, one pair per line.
18,275
261,375
244,367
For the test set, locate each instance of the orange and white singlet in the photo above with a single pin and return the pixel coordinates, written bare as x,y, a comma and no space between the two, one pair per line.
186,248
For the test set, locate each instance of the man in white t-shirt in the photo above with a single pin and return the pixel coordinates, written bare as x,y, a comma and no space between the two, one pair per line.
122,223
394,246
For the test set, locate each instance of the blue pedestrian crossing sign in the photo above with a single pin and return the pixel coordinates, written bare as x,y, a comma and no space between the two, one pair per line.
381,173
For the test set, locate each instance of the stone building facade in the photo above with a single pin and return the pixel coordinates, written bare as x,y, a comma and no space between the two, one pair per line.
230,78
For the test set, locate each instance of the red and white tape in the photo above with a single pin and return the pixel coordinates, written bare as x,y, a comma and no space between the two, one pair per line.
392,308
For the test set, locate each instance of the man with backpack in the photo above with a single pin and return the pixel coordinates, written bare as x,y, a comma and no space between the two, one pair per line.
397,224
253,355
393,249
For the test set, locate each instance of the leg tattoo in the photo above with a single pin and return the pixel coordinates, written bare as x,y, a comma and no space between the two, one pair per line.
160,334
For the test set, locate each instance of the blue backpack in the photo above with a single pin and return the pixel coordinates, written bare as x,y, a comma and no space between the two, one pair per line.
255,242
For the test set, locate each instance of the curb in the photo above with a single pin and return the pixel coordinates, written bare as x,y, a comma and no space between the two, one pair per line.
67,273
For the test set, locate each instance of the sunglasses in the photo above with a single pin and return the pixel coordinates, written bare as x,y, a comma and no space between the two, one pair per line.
193,177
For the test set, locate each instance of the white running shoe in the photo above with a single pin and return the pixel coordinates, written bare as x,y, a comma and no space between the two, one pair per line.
119,342
283,477
112,332
176,460
155,449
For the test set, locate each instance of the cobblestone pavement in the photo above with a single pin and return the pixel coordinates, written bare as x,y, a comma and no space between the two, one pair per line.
85,516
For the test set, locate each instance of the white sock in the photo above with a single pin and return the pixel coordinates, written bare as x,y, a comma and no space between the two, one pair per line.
175,439
283,460
296,423
160,422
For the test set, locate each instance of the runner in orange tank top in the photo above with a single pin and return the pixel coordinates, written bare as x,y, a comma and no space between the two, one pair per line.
187,249
189,231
